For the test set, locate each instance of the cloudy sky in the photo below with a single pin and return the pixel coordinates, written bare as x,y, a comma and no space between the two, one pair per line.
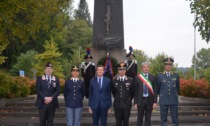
156,26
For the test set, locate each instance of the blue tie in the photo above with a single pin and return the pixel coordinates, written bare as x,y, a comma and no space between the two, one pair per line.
99,82
145,87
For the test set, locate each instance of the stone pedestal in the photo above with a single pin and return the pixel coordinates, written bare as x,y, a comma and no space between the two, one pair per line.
97,54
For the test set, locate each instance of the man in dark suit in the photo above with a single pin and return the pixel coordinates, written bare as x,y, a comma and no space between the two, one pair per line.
48,89
123,93
145,99
88,71
131,64
100,101
168,90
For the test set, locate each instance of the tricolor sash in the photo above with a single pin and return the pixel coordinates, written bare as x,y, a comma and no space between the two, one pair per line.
146,82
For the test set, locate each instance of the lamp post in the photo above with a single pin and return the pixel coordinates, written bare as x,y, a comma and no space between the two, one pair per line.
194,49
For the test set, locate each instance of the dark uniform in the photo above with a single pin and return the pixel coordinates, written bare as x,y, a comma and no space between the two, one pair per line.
131,69
47,87
123,92
168,90
88,72
73,96
131,65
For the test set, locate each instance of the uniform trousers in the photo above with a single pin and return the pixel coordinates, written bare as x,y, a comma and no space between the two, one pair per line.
164,114
122,117
73,116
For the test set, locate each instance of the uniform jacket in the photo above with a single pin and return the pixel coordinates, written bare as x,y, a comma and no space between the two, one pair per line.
139,86
100,95
132,71
88,72
74,93
43,91
123,92
168,88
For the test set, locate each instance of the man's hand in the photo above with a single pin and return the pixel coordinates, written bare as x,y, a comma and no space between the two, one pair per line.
47,100
90,110
154,105
109,110
135,106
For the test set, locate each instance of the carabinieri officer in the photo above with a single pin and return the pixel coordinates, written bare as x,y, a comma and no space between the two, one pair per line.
168,90
123,93
74,95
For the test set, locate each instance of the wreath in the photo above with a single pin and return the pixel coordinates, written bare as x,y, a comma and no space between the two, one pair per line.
110,66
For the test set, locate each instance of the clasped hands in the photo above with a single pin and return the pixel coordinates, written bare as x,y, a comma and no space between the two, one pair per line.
48,100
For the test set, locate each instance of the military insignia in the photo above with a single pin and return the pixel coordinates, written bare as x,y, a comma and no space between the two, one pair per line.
164,81
122,64
54,84
127,84
174,79
116,84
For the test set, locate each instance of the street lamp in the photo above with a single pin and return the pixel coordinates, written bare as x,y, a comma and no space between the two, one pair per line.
194,49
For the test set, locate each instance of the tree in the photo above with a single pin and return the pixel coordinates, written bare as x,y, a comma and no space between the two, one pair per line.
77,35
22,21
51,55
83,13
202,58
157,64
25,62
207,74
201,9
140,57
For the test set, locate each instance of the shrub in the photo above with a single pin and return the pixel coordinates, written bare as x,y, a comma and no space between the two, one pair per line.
13,87
195,88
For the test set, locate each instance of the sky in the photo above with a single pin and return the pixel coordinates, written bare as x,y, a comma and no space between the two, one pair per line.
156,26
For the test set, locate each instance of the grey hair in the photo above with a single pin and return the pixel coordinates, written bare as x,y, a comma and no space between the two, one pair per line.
145,63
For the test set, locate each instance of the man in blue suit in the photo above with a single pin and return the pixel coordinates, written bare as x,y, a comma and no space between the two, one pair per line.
48,89
100,101
168,90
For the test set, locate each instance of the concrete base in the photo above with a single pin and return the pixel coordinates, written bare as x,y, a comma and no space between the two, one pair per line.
97,54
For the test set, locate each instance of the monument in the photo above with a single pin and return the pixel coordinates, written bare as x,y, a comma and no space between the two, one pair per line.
108,30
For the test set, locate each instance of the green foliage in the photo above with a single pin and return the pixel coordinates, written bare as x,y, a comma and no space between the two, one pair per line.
207,74
77,35
157,65
13,87
202,58
77,57
26,24
83,13
3,45
51,55
25,62
140,57
201,8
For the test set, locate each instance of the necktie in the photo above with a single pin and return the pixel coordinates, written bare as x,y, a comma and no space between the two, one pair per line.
145,87
168,74
99,82
48,81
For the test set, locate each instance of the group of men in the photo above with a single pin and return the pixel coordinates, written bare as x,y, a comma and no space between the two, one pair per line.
126,85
